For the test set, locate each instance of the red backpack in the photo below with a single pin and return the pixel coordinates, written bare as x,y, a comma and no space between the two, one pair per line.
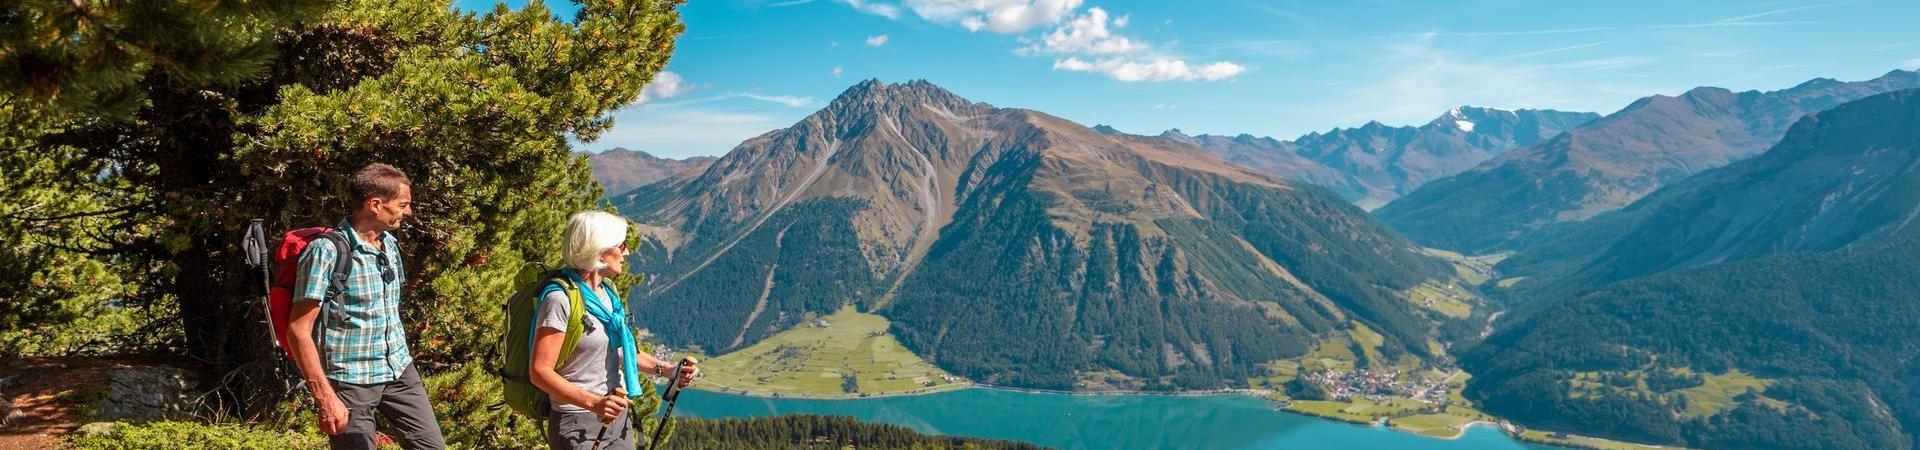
286,267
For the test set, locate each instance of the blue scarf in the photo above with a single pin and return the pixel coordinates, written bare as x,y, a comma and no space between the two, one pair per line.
614,321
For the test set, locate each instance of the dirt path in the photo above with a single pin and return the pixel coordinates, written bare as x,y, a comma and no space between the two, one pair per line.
1488,330
929,225
819,167
766,290
54,396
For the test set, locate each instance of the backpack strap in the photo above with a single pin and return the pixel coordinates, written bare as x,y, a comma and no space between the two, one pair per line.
342,265
576,311
337,284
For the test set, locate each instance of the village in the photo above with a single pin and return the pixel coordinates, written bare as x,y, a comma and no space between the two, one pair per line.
1378,386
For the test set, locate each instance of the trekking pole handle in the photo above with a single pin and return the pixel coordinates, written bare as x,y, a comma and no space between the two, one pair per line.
673,379
604,425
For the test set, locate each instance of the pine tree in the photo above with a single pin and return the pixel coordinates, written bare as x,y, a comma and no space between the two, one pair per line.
261,109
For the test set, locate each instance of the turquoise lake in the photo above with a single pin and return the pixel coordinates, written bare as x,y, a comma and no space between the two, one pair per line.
1103,421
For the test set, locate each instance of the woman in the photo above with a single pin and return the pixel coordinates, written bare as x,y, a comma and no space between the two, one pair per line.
588,391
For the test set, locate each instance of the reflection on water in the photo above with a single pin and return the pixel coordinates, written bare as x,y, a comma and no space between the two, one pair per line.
1102,422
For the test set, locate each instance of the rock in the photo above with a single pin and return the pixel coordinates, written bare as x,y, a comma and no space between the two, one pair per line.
9,415
146,393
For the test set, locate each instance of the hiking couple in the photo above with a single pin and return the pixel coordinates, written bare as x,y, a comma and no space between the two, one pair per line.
346,337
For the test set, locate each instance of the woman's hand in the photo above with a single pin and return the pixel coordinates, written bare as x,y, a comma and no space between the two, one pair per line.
688,373
610,406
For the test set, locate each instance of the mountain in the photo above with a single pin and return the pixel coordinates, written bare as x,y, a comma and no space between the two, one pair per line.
1611,162
1788,276
1822,187
1375,163
620,170
1018,248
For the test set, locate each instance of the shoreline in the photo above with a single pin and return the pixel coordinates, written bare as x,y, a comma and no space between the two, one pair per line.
1456,436
709,387
1261,394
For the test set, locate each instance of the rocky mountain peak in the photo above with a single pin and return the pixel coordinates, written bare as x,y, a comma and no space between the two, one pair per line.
873,94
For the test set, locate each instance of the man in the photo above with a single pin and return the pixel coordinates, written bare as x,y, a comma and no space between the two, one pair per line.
356,359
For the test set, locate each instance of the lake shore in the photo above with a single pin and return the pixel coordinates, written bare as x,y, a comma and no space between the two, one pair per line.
1261,393
1278,405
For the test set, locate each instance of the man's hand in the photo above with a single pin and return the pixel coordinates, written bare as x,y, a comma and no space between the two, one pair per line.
333,414
610,406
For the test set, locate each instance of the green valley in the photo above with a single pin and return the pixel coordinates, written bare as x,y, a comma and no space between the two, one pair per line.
816,358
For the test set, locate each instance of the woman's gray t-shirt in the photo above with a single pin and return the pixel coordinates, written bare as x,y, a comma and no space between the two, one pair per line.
590,365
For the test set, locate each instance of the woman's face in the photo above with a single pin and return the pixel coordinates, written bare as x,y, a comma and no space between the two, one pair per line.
615,259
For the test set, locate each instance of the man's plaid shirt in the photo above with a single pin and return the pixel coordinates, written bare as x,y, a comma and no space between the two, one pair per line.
360,338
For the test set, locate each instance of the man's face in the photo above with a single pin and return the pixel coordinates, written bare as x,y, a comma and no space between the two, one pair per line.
391,211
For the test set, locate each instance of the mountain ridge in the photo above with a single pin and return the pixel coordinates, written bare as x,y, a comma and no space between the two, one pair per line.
1610,162
1375,163
620,169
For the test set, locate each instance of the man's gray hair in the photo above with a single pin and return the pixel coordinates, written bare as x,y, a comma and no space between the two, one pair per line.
376,180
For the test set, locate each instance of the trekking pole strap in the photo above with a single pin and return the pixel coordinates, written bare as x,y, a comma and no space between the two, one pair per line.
672,397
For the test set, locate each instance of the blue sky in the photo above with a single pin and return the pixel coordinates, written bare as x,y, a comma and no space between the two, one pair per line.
1269,68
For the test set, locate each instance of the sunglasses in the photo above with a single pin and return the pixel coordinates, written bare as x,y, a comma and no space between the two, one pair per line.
386,268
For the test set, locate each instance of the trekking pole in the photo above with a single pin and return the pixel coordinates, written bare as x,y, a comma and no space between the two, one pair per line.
254,247
604,426
672,397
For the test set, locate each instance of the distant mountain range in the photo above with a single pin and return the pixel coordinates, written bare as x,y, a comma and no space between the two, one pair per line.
1611,162
1018,248
1770,303
620,170
1375,163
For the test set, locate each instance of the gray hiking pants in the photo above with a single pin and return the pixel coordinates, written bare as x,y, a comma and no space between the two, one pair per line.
570,431
403,402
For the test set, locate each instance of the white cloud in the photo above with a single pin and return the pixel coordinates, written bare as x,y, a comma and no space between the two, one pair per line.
787,3
784,100
837,70
882,9
665,84
1911,64
1087,40
789,100
999,16
1088,34
1557,50
1151,69
1747,20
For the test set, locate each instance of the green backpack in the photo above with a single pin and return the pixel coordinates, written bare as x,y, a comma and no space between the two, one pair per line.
515,370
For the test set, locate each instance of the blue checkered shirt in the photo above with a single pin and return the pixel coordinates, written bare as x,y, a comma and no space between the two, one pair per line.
360,338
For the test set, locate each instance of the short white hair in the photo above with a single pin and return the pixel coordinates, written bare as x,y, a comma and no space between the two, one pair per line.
590,233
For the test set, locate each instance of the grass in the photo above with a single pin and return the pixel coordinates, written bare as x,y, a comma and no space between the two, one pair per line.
809,360
1475,270
1357,409
1334,354
1584,442
1442,298
1718,391
1446,425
